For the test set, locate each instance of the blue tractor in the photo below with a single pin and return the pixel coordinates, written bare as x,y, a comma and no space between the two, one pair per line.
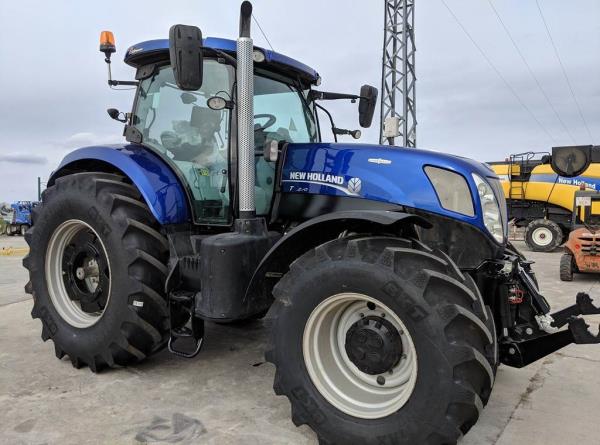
20,218
393,291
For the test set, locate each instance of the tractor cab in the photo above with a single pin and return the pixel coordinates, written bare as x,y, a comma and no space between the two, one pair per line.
192,130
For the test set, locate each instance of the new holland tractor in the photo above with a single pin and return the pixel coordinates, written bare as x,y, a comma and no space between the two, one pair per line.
19,219
393,292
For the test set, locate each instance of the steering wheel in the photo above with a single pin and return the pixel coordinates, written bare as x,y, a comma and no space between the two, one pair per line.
270,121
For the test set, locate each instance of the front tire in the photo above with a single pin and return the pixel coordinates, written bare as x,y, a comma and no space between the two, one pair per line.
567,263
543,235
418,316
97,271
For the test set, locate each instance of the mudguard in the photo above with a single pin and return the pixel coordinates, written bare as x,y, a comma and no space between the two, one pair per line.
157,183
315,232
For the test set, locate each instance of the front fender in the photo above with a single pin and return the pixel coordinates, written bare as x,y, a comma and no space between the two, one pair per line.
157,183
319,230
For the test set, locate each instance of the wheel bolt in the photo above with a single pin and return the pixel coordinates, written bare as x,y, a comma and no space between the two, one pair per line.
362,315
371,306
381,380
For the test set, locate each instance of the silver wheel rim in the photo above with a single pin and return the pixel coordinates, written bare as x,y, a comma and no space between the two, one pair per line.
335,376
68,309
542,236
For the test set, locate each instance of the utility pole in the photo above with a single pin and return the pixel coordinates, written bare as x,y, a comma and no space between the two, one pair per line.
398,105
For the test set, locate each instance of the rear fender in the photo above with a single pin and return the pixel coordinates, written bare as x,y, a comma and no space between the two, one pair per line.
157,183
319,230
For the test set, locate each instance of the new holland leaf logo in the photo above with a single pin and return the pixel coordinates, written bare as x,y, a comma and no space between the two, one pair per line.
354,185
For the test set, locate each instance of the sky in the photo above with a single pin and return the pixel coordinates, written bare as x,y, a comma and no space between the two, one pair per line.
54,92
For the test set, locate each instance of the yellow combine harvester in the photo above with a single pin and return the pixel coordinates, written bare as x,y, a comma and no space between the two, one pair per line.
540,200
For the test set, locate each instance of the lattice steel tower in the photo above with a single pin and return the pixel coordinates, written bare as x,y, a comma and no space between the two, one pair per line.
398,106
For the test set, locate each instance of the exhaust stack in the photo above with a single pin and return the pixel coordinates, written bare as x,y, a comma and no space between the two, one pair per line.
245,114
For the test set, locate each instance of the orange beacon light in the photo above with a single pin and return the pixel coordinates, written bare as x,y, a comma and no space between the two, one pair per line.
107,43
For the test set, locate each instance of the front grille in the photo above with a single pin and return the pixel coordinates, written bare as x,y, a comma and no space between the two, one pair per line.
590,243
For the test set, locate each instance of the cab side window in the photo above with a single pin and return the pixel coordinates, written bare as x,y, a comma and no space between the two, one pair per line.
180,126
280,114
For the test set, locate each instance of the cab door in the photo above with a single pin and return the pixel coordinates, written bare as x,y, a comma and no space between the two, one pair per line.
193,138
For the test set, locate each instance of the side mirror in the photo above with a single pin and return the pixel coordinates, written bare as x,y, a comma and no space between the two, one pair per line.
366,105
185,52
571,161
115,114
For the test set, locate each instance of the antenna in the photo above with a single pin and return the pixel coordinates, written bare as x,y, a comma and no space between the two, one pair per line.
398,102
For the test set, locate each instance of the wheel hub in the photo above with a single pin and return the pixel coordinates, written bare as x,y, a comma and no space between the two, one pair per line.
82,263
77,273
350,337
374,345
542,236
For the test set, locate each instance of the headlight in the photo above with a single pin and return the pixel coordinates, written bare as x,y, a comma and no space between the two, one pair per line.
489,208
452,190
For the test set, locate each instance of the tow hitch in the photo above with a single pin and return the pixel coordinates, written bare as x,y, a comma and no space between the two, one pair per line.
521,353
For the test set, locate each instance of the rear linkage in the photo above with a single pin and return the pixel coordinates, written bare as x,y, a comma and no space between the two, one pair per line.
530,332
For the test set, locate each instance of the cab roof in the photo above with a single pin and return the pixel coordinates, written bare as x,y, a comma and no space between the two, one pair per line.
152,51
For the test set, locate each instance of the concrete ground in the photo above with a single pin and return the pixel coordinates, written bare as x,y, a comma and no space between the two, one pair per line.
224,396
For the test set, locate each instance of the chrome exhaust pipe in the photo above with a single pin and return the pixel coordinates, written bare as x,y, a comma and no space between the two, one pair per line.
245,115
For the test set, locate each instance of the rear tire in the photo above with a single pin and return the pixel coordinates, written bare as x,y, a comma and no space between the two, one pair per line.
440,313
543,235
566,267
122,316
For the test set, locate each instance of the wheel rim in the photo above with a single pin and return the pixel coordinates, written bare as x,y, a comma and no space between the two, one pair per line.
542,236
337,377
78,273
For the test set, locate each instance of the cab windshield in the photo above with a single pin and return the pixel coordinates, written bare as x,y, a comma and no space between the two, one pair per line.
196,140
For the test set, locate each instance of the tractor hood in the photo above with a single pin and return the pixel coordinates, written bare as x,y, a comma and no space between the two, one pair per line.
382,173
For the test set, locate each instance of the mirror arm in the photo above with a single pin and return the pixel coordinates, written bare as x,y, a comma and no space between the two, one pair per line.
114,83
230,59
324,95
330,120
341,131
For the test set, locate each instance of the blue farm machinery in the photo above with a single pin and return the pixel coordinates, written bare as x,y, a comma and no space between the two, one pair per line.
18,218
393,289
